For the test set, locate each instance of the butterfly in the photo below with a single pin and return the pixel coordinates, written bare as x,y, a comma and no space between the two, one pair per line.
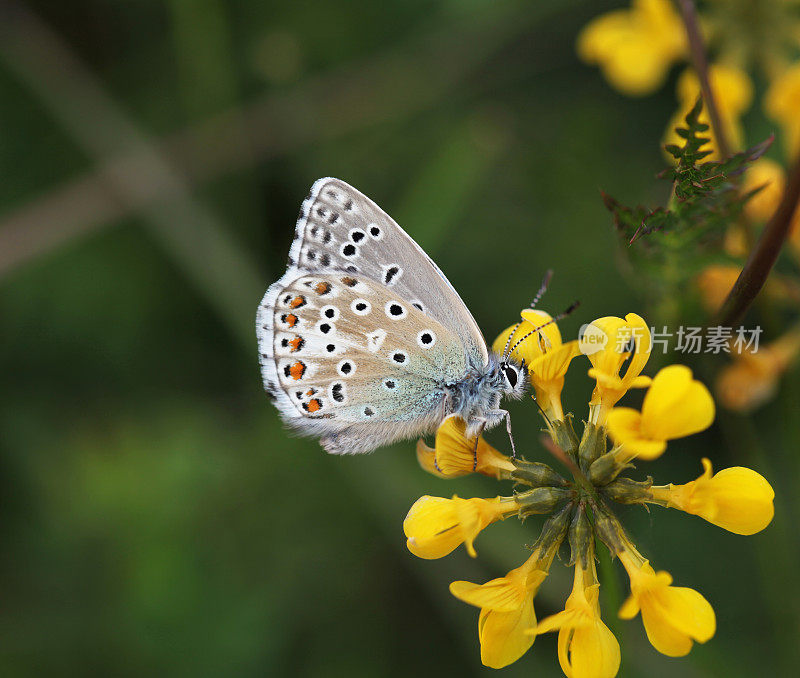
363,341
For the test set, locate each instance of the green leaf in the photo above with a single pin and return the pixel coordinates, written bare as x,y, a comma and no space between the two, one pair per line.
669,244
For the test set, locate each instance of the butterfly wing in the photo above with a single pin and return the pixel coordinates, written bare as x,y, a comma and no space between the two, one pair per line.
349,360
341,228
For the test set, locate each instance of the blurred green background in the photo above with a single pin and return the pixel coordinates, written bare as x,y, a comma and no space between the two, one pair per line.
155,518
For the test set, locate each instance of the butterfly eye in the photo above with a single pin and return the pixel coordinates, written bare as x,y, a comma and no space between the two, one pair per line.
511,375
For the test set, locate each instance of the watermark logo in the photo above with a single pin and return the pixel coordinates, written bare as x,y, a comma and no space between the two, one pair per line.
591,339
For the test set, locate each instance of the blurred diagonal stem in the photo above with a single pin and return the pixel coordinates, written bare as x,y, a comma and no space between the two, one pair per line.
321,107
763,256
182,224
700,62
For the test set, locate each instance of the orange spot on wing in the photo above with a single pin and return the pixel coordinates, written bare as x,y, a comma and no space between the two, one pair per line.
296,343
314,405
291,320
310,392
297,370
297,302
323,288
350,282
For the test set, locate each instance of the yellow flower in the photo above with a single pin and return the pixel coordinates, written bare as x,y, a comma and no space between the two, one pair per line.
674,617
545,356
536,344
715,282
736,499
586,646
436,526
752,378
782,102
674,406
770,177
455,455
733,94
506,610
623,343
635,48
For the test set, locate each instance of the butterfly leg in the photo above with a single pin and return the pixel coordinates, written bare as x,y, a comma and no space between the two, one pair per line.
510,436
475,449
505,414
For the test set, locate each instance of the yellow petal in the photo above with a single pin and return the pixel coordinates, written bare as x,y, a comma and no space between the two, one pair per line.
736,499
639,333
620,360
600,37
676,405
593,652
770,177
436,526
563,619
635,68
715,282
624,426
554,364
502,634
432,527
782,101
457,455
503,594
742,501
630,608
426,457
674,617
634,47
733,89
534,333
609,358
744,386
537,319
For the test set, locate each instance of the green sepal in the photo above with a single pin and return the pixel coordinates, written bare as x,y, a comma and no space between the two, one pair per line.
629,491
541,500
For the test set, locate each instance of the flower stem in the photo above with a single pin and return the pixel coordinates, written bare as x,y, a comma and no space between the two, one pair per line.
564,458
763,256
700,63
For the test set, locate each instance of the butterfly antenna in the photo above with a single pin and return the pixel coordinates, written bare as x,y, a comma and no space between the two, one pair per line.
508,341
555,319
548,276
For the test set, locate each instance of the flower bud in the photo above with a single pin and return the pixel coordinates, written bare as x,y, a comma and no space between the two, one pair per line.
610,531
606,468
553,531
564,435
581,540
592,445
541,500
536,474
629,491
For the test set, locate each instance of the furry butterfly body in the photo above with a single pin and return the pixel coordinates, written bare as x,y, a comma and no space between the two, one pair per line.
363,341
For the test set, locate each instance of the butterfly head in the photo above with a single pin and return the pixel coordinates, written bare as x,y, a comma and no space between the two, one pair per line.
514,378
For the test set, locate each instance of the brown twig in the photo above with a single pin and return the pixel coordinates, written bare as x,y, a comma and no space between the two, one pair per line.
763,256
562,456
700,63
341,101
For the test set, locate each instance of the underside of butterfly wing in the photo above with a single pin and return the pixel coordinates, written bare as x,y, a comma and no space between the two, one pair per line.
341,228
349,360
